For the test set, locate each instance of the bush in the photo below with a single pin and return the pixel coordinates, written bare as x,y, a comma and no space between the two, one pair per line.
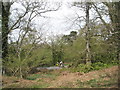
115,62
86,68
99,65
82,68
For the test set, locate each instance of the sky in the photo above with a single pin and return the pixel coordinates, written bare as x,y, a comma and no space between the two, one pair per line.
59,22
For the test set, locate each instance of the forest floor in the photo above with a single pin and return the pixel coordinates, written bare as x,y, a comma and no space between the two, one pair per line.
105,78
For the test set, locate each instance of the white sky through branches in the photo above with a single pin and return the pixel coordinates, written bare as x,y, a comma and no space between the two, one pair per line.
57,22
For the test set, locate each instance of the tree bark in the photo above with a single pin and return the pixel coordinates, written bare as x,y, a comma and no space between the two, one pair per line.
88,55
5,28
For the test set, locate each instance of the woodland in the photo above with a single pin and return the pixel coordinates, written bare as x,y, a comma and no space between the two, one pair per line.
94,46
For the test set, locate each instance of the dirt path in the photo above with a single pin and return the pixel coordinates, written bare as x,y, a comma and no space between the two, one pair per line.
70,78
64,79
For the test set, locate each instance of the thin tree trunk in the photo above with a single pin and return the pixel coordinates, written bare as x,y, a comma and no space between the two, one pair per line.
20,72
19,58
88,55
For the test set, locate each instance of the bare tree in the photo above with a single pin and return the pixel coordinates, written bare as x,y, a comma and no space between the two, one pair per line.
88,53
24,22
85,6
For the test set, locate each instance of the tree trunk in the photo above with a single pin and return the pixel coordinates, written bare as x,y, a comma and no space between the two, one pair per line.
5,31
0,29
88,55
5,28
21,76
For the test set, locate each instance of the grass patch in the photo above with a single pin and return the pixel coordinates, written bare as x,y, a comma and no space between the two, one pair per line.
99,83
43,75
34,76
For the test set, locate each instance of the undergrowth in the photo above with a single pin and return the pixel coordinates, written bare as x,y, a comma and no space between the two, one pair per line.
91,67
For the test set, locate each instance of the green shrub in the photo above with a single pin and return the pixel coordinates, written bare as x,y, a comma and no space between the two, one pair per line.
81,68
115,62
43,75
99,65
85,68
